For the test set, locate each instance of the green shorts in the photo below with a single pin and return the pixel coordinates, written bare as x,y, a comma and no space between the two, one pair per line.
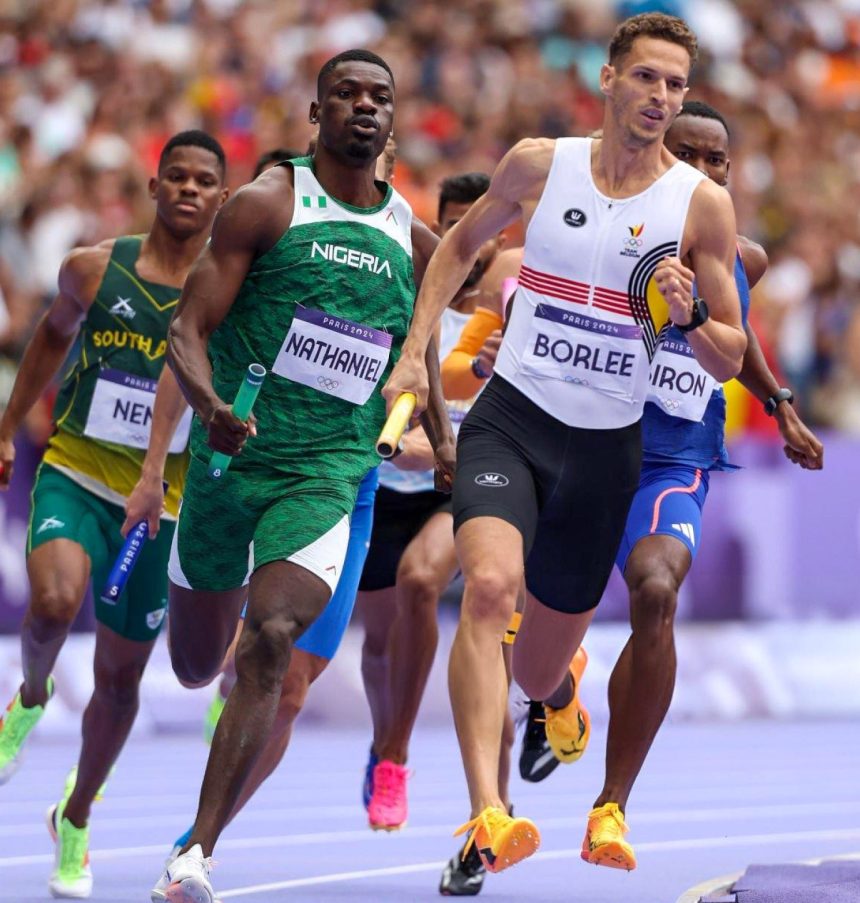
229,527
62,509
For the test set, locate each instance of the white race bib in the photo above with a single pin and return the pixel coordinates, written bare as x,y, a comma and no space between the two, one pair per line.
121,411
678,384
597,354
333,355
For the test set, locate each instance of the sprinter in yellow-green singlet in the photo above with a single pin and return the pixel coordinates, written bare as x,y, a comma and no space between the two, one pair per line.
115,300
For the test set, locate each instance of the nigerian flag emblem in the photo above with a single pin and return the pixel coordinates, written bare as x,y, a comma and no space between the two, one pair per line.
317,201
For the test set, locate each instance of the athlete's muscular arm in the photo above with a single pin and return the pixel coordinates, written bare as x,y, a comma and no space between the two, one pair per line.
79,278
801,445
516,183
434,418
243,229
755,375
711,237
146,500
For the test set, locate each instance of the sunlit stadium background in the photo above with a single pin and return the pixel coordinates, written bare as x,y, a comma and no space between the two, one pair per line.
90,91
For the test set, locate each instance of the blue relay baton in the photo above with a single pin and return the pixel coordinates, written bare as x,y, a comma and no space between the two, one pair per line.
125,561
244,401
135,540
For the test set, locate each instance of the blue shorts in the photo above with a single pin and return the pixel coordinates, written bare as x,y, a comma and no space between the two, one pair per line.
323,637
669,501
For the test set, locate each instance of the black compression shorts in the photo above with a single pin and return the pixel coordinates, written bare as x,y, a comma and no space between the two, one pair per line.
397,519
566,489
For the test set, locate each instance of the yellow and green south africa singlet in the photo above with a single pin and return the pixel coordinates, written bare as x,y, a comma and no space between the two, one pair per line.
103,411
325,311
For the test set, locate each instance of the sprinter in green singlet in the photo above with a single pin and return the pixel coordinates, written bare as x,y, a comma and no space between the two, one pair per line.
116,300
311,272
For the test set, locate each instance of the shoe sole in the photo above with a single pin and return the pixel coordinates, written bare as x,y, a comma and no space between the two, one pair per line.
520,841
60,893
189,890
63,894
470,892
612,855
389,829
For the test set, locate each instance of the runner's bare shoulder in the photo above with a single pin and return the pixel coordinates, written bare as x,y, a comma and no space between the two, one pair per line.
82,271
754,258
258,214
523,170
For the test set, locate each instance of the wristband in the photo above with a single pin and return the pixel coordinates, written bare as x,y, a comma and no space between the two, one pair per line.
478,370
776,400
700,315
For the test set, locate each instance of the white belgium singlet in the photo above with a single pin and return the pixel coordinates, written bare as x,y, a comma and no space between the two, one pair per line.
587,312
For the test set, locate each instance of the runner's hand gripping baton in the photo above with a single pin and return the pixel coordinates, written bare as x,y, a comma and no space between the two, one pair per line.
245,398
396,424
135,540
125,561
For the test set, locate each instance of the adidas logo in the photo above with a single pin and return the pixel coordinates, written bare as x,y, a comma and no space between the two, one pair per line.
123,308
50,523
687,530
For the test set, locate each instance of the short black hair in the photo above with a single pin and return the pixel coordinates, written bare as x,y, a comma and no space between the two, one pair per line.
360,56
194,138
273,156
463,189
704,111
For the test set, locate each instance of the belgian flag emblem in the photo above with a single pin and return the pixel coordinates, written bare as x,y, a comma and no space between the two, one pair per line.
647,303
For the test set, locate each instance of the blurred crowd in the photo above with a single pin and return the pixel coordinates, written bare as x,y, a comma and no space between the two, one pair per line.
91,89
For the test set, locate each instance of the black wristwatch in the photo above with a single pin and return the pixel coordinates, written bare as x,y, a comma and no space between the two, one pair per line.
478,370
777,399
700,315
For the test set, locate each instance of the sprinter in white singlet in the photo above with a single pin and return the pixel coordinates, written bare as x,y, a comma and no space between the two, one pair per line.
549,456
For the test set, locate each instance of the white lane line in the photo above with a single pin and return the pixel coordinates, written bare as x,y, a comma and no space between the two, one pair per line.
245,843
330,879
364,835
670,846
668,816
308,839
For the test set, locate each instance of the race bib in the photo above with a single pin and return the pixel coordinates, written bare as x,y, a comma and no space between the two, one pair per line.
678,385
333,355
121,411
457,411
597,354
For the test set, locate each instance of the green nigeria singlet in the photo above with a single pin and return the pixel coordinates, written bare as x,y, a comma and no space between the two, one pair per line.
103,411
325,311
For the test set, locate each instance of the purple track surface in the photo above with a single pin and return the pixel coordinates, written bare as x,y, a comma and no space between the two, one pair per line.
712,800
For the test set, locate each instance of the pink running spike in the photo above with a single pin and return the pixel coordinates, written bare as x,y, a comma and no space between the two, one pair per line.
388,808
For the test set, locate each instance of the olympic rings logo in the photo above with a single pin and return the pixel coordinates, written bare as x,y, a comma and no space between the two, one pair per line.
671,404
633,242
577,380
327,383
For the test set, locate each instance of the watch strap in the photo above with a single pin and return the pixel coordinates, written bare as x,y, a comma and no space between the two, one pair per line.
776,400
